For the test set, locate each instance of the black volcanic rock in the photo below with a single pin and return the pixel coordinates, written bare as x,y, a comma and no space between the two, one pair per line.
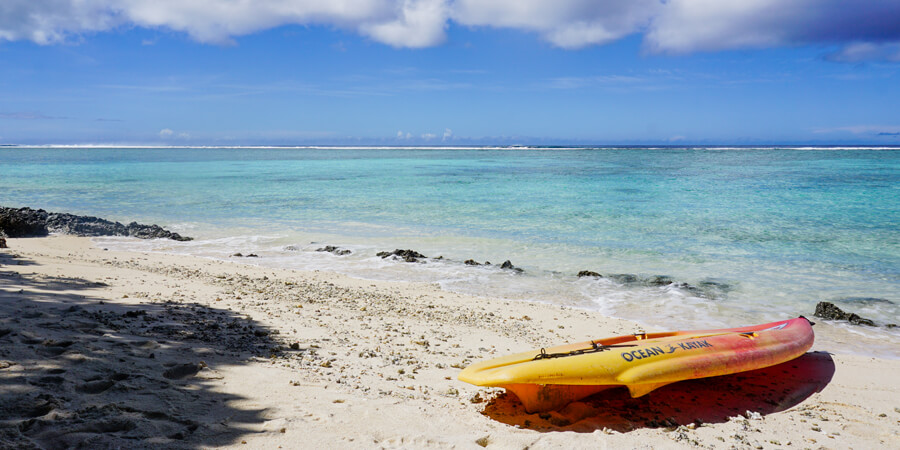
509,266
405,255
23,222
709,289
137,230
336,250
27,222
625,278
660,280
828,310
712,285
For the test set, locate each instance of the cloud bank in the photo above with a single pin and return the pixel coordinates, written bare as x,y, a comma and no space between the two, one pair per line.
863,30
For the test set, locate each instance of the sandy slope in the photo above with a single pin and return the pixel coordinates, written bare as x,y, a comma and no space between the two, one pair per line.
107,349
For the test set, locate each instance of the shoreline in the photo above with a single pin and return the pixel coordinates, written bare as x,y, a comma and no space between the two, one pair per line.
627,295
272,356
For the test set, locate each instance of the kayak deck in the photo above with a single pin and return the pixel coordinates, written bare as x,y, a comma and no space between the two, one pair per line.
549,378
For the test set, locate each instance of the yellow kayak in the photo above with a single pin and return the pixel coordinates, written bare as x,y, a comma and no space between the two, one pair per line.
550,378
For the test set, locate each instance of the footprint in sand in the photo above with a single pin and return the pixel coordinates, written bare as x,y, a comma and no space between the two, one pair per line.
119,376
54,348
48,381
30,407
51,351
33,315
147,345
183,371
109,425
42,407
95,387
40,410
30,338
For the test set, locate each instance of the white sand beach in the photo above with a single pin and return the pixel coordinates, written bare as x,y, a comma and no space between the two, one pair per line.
105,349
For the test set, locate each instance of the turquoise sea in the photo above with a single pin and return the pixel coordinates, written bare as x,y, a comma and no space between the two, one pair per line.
757,234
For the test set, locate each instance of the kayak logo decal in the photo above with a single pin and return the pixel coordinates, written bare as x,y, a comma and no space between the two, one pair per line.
649,352
776,327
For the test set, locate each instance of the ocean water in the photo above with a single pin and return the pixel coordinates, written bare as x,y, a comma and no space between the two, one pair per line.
748,234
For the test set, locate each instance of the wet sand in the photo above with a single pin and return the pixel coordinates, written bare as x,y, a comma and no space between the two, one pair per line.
105,349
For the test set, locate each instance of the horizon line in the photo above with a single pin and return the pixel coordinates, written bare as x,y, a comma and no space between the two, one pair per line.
468,147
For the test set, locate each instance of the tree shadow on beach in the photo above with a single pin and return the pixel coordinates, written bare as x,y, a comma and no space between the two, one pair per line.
76,371
8,258
706,400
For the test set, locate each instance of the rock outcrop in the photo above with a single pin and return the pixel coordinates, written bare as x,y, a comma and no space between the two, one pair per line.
509,266
705,289
335,250
405,255
828,310
28,222
23,222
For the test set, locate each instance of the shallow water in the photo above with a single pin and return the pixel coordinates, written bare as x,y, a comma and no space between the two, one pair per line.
758,234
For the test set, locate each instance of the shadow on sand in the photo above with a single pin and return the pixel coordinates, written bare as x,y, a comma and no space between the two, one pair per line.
75,372
706,400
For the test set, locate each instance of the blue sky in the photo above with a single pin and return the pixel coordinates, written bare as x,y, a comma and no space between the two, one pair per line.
458,77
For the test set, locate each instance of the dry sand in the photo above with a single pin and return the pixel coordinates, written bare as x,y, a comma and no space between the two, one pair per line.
102,349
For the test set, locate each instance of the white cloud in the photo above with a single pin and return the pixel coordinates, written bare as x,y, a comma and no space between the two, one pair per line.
402,23
692,25
218,21
416,23
566,23
168,133
50,21
448,134
864,30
